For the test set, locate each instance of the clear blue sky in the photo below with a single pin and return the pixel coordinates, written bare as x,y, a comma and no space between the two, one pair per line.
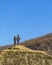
29,18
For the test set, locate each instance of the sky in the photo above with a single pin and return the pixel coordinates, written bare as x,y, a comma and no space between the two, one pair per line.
29,18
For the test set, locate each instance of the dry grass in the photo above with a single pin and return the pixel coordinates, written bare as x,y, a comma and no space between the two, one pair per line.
20,55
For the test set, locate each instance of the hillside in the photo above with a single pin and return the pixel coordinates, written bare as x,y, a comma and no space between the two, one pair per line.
20,55
43,43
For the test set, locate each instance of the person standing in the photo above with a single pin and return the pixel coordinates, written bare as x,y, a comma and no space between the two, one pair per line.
14,40
18,39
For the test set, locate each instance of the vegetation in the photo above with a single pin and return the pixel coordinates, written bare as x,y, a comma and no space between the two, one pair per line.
32,52
43,43
20,55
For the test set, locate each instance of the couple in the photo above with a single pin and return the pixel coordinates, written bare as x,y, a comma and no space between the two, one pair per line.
16,39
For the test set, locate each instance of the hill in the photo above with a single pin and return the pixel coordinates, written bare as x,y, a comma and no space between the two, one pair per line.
43,43
20,55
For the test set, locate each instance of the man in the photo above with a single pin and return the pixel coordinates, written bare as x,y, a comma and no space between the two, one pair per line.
14,40
18,39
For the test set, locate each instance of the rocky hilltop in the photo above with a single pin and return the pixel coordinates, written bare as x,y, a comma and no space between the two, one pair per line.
20,55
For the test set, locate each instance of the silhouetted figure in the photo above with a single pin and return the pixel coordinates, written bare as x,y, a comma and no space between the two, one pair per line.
14,40
18,39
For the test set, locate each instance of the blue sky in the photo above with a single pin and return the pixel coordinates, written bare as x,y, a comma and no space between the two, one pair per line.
29,18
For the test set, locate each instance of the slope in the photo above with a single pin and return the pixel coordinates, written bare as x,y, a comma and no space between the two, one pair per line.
43,43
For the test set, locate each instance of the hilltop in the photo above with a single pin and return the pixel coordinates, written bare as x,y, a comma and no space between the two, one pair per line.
20,55
43,43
